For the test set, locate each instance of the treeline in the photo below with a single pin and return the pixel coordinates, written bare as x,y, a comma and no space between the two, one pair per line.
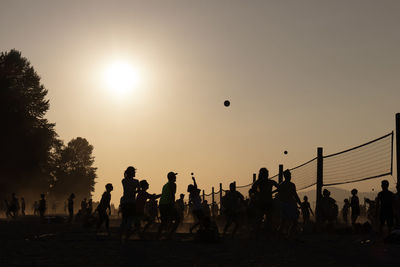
33,160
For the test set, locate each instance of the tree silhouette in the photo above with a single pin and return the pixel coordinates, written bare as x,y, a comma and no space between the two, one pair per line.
27,138
75,172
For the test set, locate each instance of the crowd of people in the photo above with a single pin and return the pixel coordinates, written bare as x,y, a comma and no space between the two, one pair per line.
270,207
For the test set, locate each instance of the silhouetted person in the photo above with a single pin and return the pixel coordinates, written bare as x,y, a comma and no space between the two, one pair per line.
214,209
206,209
180,207
102,209
328,208
90,207
355,206
35,208
385,206
42,205
289,200
232,202
83,206
197,207
13,206
306,210
141,200
71,207
128,206
23,206
262,198
345,211
396,207
168,212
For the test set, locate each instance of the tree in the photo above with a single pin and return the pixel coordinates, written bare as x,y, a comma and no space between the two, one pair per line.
27,138
75,172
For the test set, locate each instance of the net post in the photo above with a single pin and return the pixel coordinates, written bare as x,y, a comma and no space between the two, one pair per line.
254,177
204,194
280,176
220,192
398,147
320,172
212,196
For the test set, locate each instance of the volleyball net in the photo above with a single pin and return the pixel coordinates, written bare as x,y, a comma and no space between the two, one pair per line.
373,159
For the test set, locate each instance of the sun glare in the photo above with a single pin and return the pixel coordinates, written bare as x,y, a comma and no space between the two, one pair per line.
122,77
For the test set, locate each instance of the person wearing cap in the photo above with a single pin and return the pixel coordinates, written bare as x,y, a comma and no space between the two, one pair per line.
168,212
128,207
102,208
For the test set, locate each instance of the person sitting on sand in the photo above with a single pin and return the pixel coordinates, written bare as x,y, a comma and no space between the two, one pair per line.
102,209
355,206
232,203
169,216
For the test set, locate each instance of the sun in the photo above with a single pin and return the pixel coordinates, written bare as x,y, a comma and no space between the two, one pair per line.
122,77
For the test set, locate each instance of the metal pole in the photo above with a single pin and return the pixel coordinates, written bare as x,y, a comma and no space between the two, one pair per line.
398,147
203,195
320,181
280,176
212,197
220,196
220,192
254,177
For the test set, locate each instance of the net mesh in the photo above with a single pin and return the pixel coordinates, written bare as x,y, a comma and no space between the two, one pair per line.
305,175
367,161
370,160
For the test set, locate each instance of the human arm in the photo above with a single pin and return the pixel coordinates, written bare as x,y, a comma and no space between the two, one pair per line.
194,182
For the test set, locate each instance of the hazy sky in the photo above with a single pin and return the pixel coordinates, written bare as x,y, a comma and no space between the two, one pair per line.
299,74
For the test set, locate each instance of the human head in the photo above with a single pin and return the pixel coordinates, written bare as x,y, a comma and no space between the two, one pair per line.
263,173
288,175
144,185
172,176
190,188
232,186
109,187
326,193
305,198
130,172
42,195
385,184
72,195
354,192
182,196
346,200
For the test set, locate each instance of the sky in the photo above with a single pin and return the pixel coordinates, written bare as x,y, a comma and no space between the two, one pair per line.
299,75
